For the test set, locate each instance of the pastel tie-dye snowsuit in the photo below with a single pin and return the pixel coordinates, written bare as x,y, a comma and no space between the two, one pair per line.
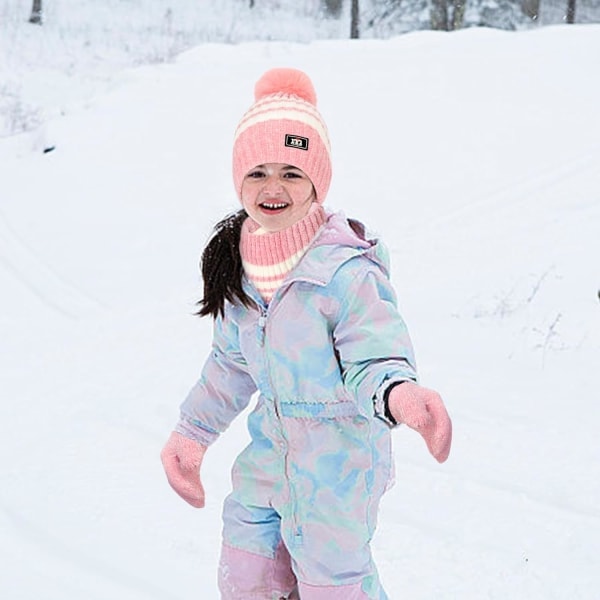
306,489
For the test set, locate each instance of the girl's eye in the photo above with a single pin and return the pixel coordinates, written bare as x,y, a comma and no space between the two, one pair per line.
255,175
292,175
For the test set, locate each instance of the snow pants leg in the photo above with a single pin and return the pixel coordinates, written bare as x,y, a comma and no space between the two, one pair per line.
248,576
265,557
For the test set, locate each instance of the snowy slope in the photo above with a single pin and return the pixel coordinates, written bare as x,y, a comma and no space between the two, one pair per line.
475,155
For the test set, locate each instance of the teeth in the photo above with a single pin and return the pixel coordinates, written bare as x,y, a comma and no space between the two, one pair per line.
274,205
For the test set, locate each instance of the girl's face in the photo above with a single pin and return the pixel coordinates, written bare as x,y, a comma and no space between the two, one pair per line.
276,195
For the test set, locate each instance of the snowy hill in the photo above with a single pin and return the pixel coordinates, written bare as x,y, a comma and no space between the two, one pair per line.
474,155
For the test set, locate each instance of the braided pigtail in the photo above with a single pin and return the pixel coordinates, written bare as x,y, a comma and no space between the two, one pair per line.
221,266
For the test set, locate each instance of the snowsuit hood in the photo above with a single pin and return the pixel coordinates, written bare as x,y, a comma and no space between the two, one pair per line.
340,240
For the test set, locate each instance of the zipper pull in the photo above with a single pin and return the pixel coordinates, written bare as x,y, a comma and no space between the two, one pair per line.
262,322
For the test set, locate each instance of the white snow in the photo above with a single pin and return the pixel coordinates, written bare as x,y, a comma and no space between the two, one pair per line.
476,157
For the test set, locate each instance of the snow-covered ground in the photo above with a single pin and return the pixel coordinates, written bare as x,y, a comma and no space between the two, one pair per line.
475,155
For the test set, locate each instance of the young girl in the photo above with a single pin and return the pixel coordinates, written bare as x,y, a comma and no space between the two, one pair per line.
304,313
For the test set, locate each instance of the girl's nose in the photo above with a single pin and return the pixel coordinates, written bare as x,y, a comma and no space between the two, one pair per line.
272,186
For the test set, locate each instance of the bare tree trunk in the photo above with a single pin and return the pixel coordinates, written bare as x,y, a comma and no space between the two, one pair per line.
531,8
251,3
571,11
36,12
355,21
439,15
333,7
458,13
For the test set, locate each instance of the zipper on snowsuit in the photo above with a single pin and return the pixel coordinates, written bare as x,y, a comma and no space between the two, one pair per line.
293,499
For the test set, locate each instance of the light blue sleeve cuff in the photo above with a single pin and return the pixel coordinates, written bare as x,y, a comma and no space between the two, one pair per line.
197,431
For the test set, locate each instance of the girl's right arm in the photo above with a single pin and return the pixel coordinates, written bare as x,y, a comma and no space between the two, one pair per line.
223,390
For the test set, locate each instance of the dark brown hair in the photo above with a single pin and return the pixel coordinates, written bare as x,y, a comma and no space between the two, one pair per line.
221,267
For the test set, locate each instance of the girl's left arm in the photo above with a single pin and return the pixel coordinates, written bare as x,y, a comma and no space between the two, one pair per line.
370,336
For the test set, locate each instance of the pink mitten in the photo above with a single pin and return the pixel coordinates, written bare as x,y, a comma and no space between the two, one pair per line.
181,459
423,410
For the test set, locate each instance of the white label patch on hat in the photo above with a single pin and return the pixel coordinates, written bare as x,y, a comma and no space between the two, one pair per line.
296,141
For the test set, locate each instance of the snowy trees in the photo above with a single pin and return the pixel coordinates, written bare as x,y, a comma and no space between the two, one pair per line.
334,18
383,18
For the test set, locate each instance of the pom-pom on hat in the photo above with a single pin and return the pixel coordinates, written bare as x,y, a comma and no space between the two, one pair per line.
283,126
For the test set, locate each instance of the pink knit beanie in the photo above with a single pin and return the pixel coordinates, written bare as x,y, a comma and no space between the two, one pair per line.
283,126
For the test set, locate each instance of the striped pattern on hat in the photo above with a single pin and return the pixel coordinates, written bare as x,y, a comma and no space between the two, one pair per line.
284,126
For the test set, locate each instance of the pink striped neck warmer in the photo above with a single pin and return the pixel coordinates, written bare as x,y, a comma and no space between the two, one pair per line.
269,257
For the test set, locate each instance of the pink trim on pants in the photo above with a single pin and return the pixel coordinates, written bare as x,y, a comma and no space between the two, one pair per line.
332,592
247,576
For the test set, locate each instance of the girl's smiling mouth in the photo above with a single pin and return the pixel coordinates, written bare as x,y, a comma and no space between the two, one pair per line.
273,206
